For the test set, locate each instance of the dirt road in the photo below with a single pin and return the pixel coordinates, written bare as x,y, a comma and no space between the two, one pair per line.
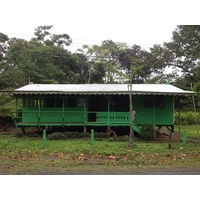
98,170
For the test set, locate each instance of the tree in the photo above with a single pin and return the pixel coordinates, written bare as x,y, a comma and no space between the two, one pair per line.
147,66
12,75
108,55
185,48
197,84
181,55
3,46
46,38
43,59
80,67
184,56
96,71
133,58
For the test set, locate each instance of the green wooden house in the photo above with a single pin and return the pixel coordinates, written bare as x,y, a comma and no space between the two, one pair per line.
95,105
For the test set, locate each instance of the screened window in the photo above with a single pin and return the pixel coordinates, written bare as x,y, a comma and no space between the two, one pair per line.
156,102
59,102
119,103
32,102
81,102
54,102
29,102
41,103
50,102
159,102
71,102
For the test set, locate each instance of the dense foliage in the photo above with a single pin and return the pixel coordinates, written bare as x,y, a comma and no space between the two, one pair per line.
187,118
67,135
45,59
148,132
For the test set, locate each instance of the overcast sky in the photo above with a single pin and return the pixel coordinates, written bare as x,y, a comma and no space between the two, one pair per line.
142,22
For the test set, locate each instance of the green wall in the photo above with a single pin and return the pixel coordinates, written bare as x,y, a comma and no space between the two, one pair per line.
155,115
153,109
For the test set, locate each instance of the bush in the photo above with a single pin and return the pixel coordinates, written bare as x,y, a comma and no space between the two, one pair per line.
66,135
57,136
148,132
187,118
100,135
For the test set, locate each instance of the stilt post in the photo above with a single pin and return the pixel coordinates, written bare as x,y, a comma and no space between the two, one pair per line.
92,136
184,137
44,138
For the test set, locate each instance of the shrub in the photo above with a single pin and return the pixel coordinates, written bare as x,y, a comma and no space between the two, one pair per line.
100,135
187,118
148,132
57,136
66,135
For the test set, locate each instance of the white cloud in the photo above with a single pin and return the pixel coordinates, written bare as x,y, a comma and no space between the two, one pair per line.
141,22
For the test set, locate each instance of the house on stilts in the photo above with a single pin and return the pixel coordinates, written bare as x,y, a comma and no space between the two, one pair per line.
95,105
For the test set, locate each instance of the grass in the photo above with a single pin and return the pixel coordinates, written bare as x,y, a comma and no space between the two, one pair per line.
192,131
27,155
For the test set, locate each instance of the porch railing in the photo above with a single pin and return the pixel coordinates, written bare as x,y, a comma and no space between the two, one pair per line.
62,118
113,117
69,116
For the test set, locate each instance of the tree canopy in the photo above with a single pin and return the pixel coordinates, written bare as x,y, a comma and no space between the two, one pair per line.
45,59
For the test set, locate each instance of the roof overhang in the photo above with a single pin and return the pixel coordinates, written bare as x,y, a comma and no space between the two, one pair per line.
96,93
100,89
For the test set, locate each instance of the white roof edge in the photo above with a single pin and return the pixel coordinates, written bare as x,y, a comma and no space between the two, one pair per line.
141,89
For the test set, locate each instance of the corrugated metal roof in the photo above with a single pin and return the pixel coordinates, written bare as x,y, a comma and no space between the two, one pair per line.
156,89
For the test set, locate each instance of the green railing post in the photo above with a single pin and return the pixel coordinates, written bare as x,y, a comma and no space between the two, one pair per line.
92,136
184,137
44,138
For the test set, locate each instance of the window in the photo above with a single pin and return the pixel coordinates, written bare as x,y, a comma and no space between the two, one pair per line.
119,103
148,102
54,102
32,102
154,101
41,103
81,102
50,102
29,102
159,102
71,102
59,102
38,102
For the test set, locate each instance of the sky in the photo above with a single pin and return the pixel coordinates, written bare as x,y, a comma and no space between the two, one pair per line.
141,22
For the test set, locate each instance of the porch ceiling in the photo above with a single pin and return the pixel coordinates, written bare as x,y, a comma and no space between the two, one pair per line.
100,89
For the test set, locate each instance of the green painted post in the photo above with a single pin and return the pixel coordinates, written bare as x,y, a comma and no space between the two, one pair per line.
44,138
184,137
92,136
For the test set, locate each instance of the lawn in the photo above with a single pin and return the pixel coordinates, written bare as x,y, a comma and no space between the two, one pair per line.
192,131
27,155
